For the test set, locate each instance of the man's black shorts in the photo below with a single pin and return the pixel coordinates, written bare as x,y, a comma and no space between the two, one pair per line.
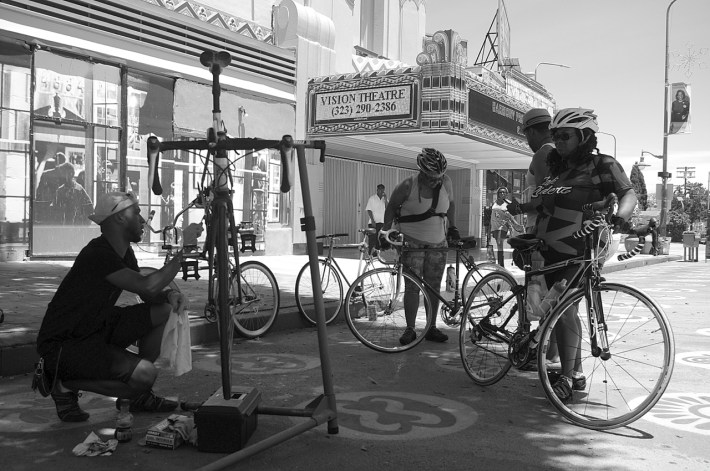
103,355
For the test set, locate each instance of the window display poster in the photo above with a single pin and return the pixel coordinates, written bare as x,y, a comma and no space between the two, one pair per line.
60,96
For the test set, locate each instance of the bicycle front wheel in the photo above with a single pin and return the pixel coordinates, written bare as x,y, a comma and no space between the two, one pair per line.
259,306
375,310
225,324
490,318
628,383
330,284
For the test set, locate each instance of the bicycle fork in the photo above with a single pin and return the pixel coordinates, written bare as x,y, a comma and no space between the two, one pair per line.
597,323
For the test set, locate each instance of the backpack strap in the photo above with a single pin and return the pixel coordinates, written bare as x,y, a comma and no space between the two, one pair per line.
431,212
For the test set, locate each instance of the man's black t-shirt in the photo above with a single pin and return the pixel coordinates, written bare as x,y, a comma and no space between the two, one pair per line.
79,307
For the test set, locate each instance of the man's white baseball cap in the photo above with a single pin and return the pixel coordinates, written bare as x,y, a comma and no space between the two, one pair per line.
111,203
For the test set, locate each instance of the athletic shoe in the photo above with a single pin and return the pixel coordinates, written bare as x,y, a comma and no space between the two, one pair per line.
149,402
408,336
67,404
435,335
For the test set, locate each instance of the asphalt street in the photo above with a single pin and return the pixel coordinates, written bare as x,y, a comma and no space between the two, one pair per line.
412,410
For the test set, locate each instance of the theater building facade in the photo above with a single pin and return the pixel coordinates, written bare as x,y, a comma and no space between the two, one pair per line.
376,121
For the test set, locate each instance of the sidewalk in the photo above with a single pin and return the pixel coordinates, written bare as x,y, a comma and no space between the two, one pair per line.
27,288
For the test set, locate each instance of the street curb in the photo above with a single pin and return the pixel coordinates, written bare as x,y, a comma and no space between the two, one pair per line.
19,358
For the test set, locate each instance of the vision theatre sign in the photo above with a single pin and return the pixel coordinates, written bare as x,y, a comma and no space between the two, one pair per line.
364,104
374,104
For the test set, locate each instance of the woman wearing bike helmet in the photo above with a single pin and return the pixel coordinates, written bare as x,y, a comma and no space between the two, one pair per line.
578,174
423,206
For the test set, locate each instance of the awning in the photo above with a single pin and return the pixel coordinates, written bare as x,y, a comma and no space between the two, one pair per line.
388,116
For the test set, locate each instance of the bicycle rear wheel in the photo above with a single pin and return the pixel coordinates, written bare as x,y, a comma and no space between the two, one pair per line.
628,384
224,319
331,285
259,299
475,275
381,291
491,317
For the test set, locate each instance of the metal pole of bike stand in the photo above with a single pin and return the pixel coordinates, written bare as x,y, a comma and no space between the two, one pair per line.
308,224
320,412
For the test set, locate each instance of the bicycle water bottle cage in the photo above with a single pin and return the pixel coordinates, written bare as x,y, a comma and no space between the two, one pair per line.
431,212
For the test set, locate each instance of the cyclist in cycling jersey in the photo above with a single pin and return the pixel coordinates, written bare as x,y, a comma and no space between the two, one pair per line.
424,225
576,175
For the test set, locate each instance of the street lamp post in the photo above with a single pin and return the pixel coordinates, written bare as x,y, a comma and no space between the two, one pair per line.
550,63
665,175
613,136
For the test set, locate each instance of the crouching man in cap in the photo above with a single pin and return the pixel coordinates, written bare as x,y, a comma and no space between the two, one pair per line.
83,337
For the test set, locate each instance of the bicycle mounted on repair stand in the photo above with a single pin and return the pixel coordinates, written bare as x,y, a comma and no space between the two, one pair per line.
626,342
222,234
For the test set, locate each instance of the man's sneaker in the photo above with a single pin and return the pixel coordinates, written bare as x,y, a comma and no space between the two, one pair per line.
67,404
149,402
408,336
435,335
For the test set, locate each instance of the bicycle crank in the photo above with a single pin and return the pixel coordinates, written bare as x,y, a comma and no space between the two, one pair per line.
451,318
519,351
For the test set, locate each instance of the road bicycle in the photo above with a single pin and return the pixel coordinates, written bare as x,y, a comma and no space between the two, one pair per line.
375,313
331,278
246,294
627,346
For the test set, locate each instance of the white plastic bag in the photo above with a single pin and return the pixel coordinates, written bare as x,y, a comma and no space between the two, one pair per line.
175,349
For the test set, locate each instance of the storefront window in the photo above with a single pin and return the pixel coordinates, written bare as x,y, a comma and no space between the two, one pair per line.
77,108
15,80
150,111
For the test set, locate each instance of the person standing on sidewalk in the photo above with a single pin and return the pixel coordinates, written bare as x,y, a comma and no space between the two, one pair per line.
376,216
423,206
500,220
84,336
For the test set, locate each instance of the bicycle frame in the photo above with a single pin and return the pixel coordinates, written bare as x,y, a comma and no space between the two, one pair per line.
368,259
457,301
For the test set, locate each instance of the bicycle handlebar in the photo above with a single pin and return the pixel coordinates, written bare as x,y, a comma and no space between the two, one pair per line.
284,146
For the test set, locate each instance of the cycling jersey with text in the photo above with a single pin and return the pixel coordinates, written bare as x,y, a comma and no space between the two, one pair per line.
563,197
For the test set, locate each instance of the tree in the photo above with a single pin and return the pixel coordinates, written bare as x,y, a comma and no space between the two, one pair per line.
639,184
687,209
696,199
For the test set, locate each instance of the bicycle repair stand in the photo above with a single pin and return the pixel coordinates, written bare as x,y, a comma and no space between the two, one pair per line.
321,409
237,411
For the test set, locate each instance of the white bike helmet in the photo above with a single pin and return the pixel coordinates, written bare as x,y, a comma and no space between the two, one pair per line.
578,118
431,162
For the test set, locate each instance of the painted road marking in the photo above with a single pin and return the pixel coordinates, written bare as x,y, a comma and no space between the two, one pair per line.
260,363
30,412
699,359
689,412
393,415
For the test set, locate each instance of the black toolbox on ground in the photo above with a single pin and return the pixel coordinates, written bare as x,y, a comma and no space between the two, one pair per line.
225,426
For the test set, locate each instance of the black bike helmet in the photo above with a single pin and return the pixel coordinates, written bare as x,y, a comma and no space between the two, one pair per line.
431,162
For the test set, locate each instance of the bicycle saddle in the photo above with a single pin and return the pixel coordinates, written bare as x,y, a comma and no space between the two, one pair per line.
525,242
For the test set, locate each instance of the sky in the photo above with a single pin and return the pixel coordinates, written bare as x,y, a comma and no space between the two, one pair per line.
615,51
